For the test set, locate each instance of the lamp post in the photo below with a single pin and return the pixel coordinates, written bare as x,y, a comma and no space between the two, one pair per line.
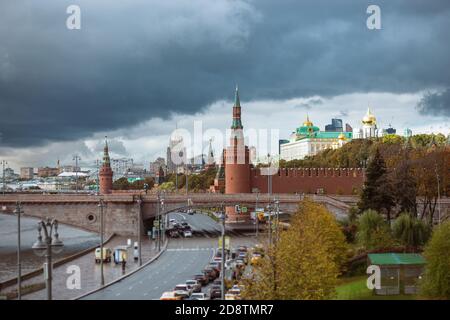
4,162
256,215
51,243
97,163
139,201
101,205
277,205
162,223
76,158
222,267
158,204
269,209
18,211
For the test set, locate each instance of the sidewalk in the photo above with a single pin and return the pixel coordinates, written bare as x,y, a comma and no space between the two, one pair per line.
90,272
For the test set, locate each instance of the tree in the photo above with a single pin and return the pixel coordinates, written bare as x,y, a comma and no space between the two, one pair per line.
121,184
306,261
377,192
373,232
405,186
410,231
436,281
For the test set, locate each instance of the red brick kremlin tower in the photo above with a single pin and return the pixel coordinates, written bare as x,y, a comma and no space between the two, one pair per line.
106,173
237,160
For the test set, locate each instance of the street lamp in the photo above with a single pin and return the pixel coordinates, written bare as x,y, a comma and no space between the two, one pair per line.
162,222
51,243
97,163
256,214
222,267
4,162
277,204
139,201
269,209
158,204
76,158
101,205
18,211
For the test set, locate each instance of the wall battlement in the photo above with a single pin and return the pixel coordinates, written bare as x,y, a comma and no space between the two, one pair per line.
312,172
346,181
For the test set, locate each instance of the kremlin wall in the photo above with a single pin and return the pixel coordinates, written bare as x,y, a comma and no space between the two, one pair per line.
343,181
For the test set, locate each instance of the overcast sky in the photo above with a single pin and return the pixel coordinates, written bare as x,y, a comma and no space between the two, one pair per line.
136,69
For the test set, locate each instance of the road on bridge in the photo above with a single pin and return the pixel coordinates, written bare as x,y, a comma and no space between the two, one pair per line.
183,258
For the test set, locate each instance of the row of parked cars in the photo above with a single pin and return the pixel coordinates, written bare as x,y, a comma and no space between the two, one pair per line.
179,229
210,278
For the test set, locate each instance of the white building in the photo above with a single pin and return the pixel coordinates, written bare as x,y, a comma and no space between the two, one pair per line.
308,140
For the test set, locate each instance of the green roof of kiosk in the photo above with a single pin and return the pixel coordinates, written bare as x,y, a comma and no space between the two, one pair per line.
396,258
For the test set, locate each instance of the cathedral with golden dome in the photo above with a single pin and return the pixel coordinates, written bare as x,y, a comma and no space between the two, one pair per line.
369,127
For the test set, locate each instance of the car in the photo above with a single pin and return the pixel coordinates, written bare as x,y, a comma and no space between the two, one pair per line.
243,256
217,282
184,224
229,296
199,296
256,257
215,265
202,278
172,220
215,292
194,285
190,212
242,249
170,295
182,290
174,233
211,273
240,263
187,233
107,253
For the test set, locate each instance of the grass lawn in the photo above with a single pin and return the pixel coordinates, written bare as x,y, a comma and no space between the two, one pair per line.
354,288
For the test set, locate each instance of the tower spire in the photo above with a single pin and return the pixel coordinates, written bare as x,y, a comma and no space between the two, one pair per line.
237,123
106,159
237,102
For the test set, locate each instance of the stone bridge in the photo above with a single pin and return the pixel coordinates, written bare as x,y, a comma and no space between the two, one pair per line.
123,212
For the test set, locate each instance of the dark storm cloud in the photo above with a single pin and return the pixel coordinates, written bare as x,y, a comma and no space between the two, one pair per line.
437,103
114,145
135,60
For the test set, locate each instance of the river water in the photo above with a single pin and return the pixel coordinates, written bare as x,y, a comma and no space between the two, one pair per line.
74,240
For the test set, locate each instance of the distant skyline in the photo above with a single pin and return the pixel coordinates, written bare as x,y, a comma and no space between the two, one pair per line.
138,68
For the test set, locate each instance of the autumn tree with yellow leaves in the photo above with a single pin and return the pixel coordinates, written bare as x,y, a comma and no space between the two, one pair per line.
305,262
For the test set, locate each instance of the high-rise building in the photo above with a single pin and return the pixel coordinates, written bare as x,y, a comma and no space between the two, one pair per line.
348,128
176,154
155,165
26,173
389,130
45,172
335,126
407,133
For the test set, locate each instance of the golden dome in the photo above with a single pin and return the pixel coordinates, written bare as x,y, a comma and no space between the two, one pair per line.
342,137
307,123
369,118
